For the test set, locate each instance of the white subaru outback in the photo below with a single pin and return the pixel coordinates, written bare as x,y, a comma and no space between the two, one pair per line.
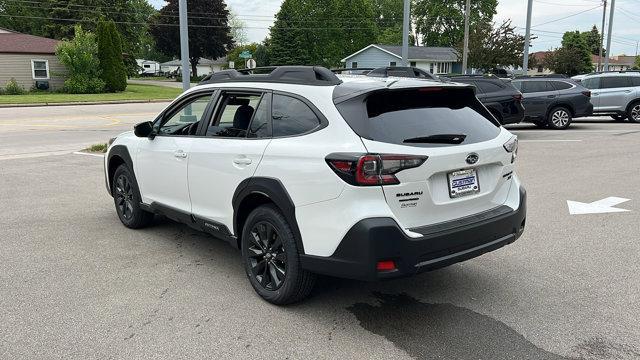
308,174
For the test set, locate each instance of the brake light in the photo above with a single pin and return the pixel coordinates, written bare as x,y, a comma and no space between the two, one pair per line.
587,93
386,265
372,169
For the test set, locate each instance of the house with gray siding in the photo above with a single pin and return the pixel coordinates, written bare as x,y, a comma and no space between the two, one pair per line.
29,59
436,60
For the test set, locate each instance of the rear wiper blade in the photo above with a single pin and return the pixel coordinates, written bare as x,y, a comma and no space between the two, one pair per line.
438,139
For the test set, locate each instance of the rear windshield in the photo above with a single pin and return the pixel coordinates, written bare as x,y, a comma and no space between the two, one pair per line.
424,117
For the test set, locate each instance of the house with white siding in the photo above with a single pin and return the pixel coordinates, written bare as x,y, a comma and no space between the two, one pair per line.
30,60
436,60
205,66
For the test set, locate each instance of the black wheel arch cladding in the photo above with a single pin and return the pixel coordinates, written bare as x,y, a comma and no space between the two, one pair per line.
255,191
118,154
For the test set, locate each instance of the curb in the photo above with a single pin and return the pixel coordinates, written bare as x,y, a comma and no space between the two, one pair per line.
107,102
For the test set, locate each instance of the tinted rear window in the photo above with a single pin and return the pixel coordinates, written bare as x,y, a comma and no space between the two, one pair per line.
611,82
561,85
489,87
393,116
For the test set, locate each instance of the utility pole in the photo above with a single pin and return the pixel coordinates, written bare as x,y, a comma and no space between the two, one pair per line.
604,15
465,50
606,58
405,34
527,38
184,44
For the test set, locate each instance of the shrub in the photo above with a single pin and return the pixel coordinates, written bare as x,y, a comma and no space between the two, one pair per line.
83,85
13,88
113,70
80,57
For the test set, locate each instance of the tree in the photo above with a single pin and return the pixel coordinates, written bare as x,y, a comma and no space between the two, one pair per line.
441,23
80,57
307,32
113,71
262,55
209,36
592,38
388,15
238,29
636,64
50,18
490,46
572,58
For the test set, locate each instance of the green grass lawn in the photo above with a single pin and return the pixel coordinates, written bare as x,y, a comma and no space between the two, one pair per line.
133,92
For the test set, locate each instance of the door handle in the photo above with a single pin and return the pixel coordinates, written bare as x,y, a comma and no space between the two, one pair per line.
180,154
242,161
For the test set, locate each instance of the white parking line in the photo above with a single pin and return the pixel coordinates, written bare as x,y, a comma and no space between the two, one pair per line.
551,140
88,154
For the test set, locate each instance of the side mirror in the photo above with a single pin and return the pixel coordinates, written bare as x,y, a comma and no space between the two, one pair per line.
143,129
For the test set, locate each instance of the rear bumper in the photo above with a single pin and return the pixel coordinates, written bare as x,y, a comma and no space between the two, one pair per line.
587,110
376,239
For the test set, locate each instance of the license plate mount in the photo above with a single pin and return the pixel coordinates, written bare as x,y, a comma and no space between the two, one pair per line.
463,183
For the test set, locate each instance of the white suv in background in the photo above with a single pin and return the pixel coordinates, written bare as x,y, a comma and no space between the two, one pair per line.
615,93
365,179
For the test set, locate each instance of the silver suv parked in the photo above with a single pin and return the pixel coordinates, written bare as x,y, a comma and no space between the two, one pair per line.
616,94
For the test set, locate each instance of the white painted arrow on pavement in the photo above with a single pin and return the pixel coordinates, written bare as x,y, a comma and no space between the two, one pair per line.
605,205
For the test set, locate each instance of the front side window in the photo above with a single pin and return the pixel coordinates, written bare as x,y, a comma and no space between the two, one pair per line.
292,116
612,82
185,121
40,69
234,114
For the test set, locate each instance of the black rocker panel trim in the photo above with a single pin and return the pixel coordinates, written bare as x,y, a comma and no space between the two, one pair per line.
276,192
117,151
208,226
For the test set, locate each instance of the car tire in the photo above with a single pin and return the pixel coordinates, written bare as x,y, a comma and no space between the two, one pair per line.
619,118
127,199
559,118
271,257
633,112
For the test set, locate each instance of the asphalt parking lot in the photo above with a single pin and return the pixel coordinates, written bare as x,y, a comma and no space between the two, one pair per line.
75,283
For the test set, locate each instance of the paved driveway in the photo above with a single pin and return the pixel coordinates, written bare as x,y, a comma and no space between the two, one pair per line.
74,283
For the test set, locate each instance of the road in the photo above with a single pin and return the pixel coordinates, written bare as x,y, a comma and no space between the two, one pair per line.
74,283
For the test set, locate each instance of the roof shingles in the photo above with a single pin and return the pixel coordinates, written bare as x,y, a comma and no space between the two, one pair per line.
16,43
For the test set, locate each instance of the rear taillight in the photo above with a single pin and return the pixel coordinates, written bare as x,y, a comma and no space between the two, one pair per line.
517,97
511,146
372,169
587,93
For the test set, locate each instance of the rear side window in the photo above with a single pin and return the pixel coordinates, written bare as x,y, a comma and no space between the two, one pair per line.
488,87
536,86
561,85
610,82
635,80
420,117
292,116
591,83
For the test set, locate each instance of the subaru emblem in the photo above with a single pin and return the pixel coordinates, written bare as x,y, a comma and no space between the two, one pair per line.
472,158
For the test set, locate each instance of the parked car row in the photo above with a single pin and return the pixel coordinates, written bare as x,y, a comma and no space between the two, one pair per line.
550,101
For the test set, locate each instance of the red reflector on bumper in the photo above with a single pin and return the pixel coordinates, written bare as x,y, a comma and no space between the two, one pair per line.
386,265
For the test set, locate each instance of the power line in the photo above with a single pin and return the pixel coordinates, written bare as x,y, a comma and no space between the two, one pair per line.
568,16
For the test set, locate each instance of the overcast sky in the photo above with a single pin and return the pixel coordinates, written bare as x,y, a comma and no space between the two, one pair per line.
257,15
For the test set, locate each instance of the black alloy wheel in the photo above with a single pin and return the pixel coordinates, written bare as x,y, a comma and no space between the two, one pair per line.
266,255
124,197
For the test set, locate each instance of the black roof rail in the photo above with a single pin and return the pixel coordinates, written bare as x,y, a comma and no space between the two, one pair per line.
542,76
303,75
474,76
341,70
613,71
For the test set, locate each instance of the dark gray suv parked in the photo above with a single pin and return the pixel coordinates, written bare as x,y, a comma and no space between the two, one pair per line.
553,102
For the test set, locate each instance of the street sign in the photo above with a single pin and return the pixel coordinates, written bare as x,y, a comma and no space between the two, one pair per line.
250,64
605,205
245,54
232,65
